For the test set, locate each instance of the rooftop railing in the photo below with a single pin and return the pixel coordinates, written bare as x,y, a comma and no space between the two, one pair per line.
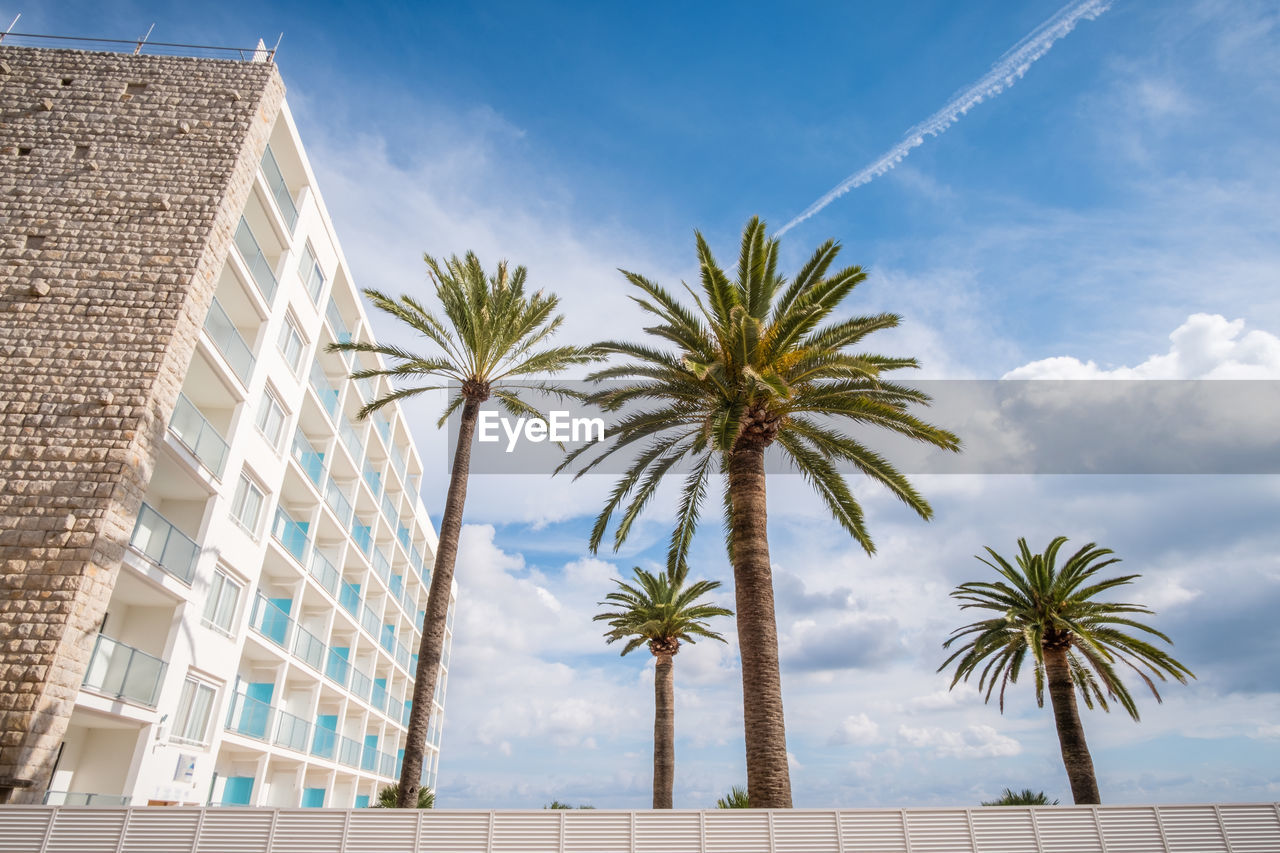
79,798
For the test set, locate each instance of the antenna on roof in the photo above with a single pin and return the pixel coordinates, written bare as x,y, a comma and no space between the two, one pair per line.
272,55
15,21
137,50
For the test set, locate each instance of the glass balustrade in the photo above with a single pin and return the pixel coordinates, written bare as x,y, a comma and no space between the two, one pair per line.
349,751
349,598
123,672
196,434
78,798
381,565
362,535
279,189
325,743
350,440
324,389
309,648
310,460
291,534
164,544
259,267
325,573
292,732
226,338
337,501
249,717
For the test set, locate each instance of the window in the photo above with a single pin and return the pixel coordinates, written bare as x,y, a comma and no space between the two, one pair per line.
220,607
309,272
195,707
291,343
246,506
271,418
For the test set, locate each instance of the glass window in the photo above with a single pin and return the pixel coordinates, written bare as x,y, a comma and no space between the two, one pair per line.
271,418
310,273
195,706
246,506
291,343
220,607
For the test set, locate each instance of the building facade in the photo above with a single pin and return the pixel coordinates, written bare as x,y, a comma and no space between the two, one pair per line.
212,573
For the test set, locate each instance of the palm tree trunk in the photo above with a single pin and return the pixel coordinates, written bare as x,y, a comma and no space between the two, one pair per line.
768,778
664,732
433,627
1075,752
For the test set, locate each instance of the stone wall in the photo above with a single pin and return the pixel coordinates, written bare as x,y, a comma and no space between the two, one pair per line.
122,179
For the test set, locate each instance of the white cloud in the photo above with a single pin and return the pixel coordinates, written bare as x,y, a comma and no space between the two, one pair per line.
858,729
977,741
1206,346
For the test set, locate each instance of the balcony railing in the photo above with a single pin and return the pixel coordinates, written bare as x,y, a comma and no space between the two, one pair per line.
325,743
250,717
279,189
351,440
397,462
349,598
340,331
383,426
292,535
324,389
270,621
292,732
227,339
325,572
155,537
196,434
374,480
123,672
362,535
381,565
389,511
309,648
78,798
256,261
338,502
349,751
310,460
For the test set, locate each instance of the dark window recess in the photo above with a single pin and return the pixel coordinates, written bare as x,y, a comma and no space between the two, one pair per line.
36,241
24,150
134,89
82,151
67,81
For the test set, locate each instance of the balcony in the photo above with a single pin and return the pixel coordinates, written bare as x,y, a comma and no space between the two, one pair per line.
249,717
271,621
292,535
373,479
308,648
279,189
227,339
349,751
196,434
381,566
325,573
292,732
351,440
310,460
164,545
256,261
340,331
324,389
349,598
325,743
362,535
338,502
389,511
77,798
123,672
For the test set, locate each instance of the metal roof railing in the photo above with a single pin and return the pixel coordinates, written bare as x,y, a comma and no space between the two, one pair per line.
139,46
1223,828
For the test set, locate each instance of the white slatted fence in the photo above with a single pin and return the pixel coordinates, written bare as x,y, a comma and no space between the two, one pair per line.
1221,828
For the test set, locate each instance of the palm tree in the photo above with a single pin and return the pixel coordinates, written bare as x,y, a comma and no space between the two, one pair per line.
1074,641
754,366
389,797
492,332
660,610
736,799
1025,797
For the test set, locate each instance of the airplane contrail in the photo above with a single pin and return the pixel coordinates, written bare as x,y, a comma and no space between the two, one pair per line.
1007,71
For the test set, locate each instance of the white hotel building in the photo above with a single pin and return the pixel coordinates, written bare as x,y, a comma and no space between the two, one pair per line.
260,644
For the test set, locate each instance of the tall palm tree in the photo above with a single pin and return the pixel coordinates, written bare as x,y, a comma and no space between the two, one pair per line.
755,366
658,609
492,332
1075,642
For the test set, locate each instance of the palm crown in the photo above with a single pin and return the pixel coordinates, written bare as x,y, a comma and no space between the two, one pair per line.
660,610
754,363
494,332
1042,606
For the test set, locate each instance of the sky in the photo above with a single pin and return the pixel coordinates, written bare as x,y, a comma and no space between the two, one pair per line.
1110,212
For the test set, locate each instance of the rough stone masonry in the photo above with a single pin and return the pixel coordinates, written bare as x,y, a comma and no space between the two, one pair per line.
122,179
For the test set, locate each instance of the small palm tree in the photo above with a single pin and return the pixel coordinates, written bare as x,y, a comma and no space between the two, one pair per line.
389,796
1074,641
556,804
1025,797
755,365
736,799
492,331
660,610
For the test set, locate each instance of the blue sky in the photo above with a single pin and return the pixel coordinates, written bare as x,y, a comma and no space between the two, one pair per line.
1112,211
